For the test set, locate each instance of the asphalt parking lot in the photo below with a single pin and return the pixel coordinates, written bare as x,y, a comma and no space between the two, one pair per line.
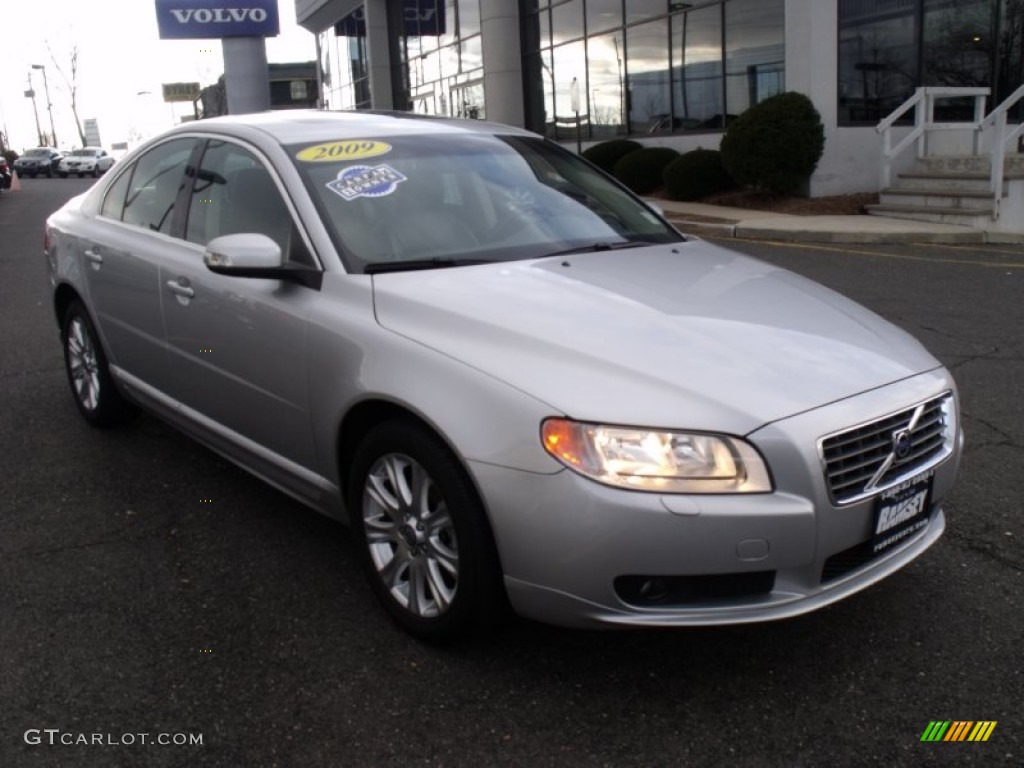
149,587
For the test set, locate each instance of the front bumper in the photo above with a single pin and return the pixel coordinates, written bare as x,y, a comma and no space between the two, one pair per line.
578,553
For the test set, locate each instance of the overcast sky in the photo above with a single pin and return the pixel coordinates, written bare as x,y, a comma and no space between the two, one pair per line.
120,55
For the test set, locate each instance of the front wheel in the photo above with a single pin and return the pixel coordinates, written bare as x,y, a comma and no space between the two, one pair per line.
88,373
424,539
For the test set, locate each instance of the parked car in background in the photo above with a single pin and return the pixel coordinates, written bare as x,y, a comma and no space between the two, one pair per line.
87,161
511,376
5,174
41,161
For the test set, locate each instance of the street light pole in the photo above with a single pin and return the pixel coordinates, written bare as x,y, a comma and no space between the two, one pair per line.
31,93
49,104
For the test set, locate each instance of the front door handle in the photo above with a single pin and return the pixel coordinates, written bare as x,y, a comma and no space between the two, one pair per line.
182,289
94,258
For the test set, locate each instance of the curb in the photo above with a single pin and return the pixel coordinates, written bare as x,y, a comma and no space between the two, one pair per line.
741,231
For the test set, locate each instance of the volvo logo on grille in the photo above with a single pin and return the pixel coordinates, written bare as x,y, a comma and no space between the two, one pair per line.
901,444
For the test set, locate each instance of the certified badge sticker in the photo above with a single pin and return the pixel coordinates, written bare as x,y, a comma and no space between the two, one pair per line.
366,181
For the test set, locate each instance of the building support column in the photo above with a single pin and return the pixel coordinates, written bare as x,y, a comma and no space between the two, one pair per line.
503,62
246,78
378,54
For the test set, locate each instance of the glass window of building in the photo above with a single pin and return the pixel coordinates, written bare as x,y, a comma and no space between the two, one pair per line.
656,66
641,10
697,71
648,92
606,75
570,66
603,15
887,48
567,21
444,61
957,48
877,58
344,63
755,53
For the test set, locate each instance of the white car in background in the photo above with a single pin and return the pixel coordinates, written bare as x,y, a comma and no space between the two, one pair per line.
87,160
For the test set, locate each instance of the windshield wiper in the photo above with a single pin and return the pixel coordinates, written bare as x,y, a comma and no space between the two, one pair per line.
408,265
595,247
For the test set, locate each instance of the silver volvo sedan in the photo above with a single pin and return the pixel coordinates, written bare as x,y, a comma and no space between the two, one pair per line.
514,380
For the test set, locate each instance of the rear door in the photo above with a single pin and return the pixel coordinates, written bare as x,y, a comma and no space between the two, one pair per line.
121,250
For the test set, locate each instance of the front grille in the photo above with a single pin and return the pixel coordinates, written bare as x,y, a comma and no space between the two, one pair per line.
862,460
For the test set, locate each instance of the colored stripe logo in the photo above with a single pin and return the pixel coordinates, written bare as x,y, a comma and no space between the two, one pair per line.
958,730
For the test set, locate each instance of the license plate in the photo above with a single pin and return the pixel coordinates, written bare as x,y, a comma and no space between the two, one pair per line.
901,511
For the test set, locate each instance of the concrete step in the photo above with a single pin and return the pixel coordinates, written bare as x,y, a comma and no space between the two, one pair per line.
937,197
979,219
966,182
957,164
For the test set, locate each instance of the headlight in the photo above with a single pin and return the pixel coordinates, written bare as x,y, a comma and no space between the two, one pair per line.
651,460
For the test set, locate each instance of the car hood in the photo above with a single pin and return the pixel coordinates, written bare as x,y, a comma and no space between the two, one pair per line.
686,336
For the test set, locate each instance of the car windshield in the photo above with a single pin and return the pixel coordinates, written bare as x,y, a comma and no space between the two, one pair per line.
84,153
449,199
37,153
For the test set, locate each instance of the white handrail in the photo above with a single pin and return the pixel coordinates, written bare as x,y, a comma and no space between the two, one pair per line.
923,104
997,119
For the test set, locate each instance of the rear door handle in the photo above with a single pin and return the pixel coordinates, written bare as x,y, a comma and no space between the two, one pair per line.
180,289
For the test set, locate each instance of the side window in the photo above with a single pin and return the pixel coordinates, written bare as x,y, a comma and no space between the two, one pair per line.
113,201
234,192
156,180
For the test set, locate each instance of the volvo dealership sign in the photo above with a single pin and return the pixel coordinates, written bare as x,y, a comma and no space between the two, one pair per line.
185,19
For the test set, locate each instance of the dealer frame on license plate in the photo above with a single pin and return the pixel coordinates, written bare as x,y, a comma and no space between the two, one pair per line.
901,511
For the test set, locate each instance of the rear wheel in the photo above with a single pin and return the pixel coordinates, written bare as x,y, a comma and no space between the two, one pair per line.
424,539
88,373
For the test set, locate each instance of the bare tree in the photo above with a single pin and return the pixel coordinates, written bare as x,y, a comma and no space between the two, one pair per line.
70,84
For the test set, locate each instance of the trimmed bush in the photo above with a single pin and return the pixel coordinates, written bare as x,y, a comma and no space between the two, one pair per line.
696,174
642,170
774,146
606,154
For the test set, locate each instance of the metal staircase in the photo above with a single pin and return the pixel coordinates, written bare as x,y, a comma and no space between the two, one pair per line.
983,189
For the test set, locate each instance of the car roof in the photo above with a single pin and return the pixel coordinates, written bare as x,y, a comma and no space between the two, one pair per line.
294,126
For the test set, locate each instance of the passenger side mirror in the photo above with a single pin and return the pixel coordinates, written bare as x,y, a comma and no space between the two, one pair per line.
255,255
242,251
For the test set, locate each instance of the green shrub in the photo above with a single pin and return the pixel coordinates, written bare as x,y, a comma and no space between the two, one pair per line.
642,170
774,146
606,154
696,174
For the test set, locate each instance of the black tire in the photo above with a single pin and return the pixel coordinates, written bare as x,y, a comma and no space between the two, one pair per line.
81,175
95,173
420,543
62,175
49,174
92,387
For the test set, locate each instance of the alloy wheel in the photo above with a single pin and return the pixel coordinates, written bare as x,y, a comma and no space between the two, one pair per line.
410,535
83,364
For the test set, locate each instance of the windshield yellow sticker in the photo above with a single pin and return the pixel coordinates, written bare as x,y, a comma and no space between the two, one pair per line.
336,151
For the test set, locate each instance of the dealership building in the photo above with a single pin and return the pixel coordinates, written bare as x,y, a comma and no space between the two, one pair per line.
665,72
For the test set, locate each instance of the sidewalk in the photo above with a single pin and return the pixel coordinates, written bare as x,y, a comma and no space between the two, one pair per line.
718,221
